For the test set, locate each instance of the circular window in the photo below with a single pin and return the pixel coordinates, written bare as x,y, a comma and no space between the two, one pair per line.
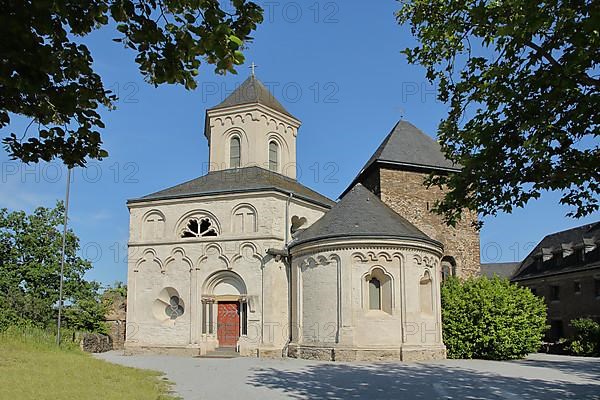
168,306
175,308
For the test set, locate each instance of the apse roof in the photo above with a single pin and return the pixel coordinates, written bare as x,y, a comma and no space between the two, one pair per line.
360,213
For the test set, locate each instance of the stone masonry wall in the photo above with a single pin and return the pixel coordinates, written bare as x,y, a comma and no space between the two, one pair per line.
405,193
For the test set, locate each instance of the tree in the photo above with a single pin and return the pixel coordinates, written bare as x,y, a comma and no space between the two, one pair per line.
30,255
88,312
491,319
46,71
521,81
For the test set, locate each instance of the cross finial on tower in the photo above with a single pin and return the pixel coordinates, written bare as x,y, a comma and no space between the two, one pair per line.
253,67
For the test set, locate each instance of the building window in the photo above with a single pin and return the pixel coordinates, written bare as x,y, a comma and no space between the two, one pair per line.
273,156
175,309
374,294
558,259
448,267
533,291
378,291
199,227
581,254
597,287
555,293
556,329
577,287
235,153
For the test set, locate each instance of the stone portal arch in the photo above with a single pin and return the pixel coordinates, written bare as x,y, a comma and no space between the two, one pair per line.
225,295
224,283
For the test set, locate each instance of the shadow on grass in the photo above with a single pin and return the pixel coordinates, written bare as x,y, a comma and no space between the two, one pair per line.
412,381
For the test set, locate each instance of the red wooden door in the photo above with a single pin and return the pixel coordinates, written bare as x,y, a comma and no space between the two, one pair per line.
228,324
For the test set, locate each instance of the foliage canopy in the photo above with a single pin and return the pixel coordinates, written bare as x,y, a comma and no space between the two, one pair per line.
46,71
30,255
522,83
491,319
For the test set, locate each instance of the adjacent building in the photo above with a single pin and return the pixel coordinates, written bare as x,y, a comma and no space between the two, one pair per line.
564,268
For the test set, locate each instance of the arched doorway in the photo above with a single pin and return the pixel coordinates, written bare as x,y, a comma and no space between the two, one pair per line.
225,295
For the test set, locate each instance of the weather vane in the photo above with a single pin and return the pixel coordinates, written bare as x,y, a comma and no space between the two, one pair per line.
253,67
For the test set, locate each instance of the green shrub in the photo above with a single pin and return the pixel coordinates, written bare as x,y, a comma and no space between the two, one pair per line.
491,319
586,341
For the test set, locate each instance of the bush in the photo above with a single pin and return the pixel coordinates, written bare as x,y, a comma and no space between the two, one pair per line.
586,341
491,319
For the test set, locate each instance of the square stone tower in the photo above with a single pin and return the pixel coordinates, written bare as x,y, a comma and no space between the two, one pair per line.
396,173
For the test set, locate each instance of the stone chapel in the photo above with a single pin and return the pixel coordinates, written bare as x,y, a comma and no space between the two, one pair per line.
248,259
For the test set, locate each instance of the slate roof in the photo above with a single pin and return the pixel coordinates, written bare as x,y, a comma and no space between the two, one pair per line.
407,145
502,270
239,180
252,91
360,213
573,239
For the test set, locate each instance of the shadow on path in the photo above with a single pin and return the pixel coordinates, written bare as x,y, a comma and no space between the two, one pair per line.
584,368
414,381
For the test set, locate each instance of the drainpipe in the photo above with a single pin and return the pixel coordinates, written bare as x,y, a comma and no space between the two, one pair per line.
287,219
288,265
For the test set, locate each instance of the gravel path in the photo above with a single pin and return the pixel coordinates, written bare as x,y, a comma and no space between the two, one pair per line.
539,376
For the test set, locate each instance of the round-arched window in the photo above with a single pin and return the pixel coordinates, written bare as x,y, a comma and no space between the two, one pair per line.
235,152
273,156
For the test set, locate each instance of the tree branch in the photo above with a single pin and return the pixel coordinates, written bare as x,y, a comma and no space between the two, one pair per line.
545,54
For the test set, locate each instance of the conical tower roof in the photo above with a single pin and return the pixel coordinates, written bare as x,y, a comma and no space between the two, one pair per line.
252,91
407,145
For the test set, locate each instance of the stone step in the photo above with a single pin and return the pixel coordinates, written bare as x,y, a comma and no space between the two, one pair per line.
221,352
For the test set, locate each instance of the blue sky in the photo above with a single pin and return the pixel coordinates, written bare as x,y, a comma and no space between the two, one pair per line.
335,65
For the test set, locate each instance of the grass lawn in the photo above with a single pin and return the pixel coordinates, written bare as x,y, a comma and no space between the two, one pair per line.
31,367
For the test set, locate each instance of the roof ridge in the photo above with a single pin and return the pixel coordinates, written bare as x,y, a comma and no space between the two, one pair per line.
587,227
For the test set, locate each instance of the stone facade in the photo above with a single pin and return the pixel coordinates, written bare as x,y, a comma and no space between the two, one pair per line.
404,192
576,295
205,270
331,315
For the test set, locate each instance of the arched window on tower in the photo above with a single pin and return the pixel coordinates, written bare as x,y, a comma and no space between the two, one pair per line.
235,152
273,156
448,267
